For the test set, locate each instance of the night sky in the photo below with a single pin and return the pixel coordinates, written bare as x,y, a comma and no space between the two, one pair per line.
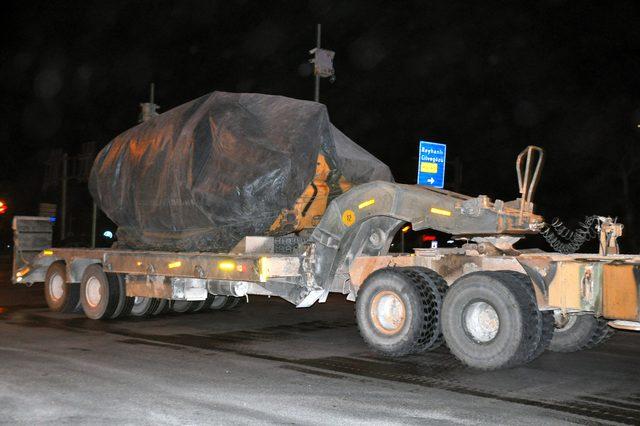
486,78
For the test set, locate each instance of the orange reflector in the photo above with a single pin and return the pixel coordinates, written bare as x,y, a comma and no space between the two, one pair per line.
173,265
22,272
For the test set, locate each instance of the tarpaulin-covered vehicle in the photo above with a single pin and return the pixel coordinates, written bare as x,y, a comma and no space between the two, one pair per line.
212,171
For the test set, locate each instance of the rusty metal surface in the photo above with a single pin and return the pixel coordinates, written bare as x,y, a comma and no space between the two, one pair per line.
451,264
621,292
148,286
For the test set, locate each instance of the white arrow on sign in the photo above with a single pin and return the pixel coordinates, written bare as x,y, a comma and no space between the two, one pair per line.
430,181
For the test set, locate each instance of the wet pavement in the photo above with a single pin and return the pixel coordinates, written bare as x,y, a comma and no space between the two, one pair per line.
268,362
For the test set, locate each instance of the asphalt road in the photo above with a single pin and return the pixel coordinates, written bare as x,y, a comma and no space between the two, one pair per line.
268,362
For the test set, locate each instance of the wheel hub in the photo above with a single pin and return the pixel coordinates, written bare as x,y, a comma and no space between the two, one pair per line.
481,321
564,322
388,312
92,292
56,287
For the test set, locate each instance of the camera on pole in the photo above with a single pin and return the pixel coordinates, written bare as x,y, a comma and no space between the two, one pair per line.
323,63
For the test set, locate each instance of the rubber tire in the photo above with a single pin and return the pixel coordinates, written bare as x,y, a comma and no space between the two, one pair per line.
232,303
441,285
149,306
182,306
71,291
203,304
125,304
547,321
422,301
219,302
109,292
520,333
164,306
167,308
586,333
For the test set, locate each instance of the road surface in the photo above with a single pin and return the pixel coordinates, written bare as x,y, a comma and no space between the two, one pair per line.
268,362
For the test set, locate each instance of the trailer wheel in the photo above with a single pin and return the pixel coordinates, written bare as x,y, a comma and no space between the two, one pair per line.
546,322
182,306
164,306
60,295
99,295
125,304
441,285
398,310
218,302
577,332
208,302
490,320
232,302
204,304
144,306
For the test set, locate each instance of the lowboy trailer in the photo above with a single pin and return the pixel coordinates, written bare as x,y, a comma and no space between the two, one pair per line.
493,305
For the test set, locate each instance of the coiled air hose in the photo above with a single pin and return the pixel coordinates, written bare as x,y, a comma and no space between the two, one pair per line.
565,240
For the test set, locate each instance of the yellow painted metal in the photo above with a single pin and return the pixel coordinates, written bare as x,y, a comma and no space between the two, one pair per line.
441,212
367,203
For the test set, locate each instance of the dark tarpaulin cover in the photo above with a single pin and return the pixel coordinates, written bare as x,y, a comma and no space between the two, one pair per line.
207,173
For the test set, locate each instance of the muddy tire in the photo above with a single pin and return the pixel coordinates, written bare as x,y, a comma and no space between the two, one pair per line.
579,332
60,295
99,295
144,306
398,310
490,320
125,304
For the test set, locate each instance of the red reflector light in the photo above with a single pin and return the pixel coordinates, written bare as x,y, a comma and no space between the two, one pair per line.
428,238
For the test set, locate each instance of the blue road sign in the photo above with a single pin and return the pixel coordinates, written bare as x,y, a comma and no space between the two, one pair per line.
431,162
